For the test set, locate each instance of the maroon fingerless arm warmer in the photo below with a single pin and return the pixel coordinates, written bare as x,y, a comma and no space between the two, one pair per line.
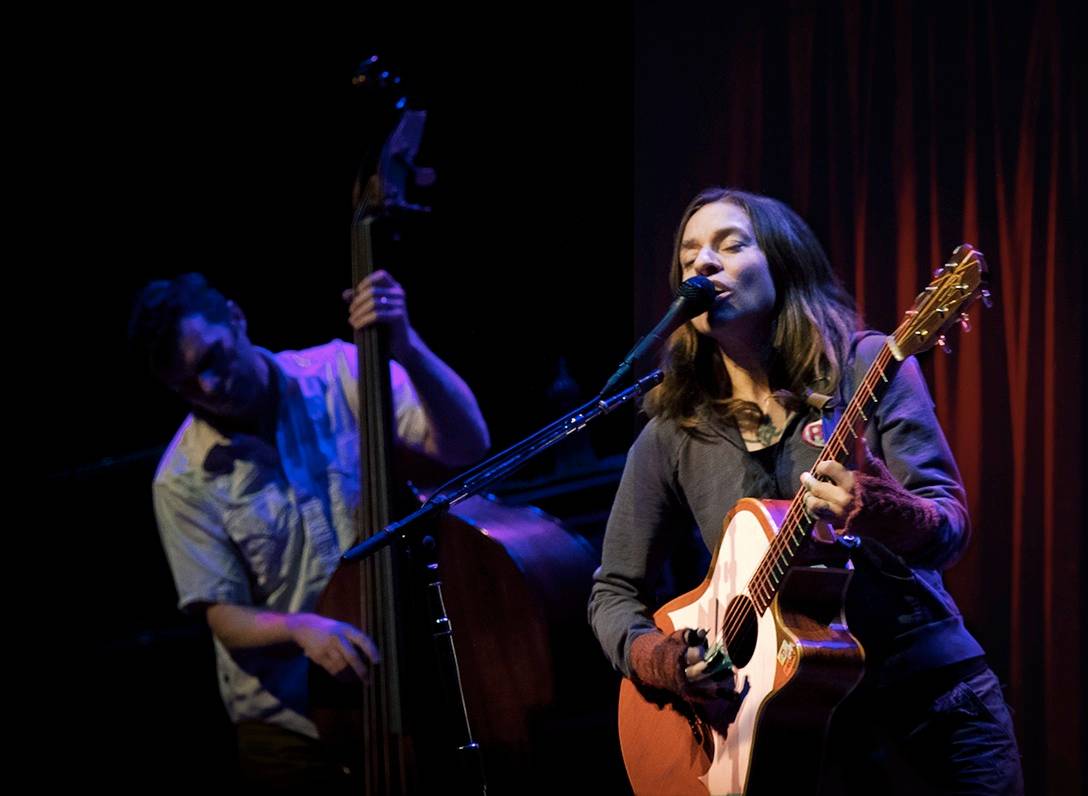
657,660
885,511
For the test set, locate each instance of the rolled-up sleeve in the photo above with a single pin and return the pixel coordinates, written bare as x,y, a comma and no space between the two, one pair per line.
410,422
204,560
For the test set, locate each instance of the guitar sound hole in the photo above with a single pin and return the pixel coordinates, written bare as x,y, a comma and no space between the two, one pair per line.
739,630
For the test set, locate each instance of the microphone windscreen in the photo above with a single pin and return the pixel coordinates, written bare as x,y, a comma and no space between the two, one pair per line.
700,292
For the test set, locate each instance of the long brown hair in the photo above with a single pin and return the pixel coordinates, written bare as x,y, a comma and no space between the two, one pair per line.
814,320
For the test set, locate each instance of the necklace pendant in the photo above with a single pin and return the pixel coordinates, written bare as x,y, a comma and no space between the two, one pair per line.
766,432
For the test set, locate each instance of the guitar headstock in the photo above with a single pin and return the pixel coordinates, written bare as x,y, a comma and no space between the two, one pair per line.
956,285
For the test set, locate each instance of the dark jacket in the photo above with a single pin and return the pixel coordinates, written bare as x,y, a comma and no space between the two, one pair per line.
675,480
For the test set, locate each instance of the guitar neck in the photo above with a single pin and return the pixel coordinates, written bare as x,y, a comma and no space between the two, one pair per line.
798,523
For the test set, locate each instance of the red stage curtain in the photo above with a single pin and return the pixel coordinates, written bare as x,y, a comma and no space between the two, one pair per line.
900,130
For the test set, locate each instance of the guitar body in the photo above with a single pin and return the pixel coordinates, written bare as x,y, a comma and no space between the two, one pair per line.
794,664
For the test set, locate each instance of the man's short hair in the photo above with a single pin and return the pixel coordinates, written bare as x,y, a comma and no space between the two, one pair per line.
153,327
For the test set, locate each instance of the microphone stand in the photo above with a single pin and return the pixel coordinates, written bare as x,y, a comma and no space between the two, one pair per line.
500,465
472,481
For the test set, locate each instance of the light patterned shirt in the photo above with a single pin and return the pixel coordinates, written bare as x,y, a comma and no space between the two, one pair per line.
246,523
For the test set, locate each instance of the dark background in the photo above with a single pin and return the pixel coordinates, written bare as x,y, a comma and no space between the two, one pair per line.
228,146
566,141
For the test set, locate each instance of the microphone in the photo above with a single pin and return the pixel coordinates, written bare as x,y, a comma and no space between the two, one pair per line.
694,297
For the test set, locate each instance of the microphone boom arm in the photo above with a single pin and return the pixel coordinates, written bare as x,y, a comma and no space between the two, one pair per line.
694,297
477,478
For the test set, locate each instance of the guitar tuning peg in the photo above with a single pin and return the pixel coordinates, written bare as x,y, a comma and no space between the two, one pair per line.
986,299
965,322
938,271
943,344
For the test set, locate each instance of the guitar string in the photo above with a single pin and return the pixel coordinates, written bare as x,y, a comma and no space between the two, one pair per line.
761,580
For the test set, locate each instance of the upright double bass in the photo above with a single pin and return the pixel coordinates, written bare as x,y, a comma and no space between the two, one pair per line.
469,663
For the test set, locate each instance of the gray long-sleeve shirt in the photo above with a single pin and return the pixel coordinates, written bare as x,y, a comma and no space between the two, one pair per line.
673,480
